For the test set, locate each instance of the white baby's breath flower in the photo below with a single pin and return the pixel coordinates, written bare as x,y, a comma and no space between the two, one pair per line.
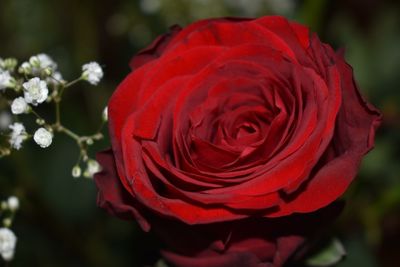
13,203
46,61
43,137
92,168
18,135
92,72
41,62
19,106
6,80
35,91
8,240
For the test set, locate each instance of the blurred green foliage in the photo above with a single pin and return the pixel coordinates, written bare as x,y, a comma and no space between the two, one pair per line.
59,223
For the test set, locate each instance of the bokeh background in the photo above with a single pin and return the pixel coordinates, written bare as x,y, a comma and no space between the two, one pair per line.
59,224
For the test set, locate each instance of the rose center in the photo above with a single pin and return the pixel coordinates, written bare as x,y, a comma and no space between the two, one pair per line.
244,130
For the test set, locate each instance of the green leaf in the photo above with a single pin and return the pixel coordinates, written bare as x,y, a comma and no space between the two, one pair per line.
328,255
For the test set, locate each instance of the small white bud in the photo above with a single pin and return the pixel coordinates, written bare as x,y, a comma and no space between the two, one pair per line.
43,137
7,222
92,168
8,241
35,91
105,114
13,203
92,72
8,64
98,136
40,121
89,141
48,71
4,151
41,64
19,106
25,68
76,171
34,61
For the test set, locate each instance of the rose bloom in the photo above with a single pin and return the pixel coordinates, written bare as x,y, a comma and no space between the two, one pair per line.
233,138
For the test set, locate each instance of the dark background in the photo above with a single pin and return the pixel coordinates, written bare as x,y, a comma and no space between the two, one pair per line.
59,224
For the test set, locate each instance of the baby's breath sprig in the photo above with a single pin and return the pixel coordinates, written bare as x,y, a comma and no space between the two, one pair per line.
8,240
36,82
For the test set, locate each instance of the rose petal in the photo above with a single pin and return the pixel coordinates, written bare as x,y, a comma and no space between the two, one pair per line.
111,195
155,49
354,136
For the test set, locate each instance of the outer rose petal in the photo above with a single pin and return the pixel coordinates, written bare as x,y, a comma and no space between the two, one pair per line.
111,195
199,26
245,243
356,125
235,259
154,50
159,46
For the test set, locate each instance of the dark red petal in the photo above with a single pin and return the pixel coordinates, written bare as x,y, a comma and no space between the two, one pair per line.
354,135
112,196
302,32
292,35
260,241
233,259
287,245
149,115
238,202
123,102
297,159
155,49
198,27
136,179
176,65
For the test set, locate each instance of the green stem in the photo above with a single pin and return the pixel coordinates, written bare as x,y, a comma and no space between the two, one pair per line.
37,115
58,116
68,132
100,127
58,81
80,140
73,82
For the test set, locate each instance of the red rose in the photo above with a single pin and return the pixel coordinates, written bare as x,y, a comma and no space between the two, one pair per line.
231,119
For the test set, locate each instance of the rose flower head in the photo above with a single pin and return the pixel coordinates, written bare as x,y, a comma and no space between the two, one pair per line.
229,134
